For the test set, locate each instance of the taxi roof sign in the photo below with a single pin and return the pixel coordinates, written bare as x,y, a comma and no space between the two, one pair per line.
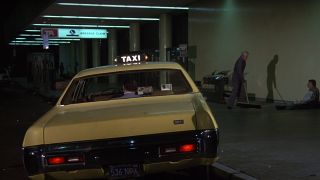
131,59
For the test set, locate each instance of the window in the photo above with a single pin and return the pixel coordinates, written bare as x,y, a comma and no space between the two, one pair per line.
124,85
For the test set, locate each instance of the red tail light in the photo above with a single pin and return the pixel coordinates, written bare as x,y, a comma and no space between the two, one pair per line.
187,148
176,149
56,160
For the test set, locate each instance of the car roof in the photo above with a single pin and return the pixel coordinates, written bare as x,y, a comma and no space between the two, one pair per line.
127,67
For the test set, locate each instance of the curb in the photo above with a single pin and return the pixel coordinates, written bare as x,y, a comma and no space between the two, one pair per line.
221,171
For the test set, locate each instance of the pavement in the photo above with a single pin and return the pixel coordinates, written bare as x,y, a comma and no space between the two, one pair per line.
264,143
270,144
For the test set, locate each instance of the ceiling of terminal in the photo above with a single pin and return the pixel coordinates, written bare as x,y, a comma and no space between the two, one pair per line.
107,12
98,14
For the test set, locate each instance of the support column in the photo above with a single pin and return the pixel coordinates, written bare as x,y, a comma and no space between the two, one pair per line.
83,55
64,58
96,53
134,35
165,35
112,46
77,56
72,62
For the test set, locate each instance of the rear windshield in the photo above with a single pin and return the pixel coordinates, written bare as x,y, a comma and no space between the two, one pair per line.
125,85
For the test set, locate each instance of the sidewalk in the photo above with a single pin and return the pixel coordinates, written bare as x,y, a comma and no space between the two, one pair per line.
270,144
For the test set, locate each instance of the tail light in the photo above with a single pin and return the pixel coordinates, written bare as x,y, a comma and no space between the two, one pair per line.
58,160
187,148
174,149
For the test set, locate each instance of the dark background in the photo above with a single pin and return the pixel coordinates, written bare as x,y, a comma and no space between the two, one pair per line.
15,15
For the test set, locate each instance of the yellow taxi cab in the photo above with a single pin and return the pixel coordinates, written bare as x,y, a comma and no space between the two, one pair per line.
123,121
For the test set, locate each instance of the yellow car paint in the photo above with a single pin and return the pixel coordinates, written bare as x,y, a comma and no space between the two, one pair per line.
122,118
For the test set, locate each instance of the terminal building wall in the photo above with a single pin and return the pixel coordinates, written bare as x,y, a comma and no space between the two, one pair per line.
220,30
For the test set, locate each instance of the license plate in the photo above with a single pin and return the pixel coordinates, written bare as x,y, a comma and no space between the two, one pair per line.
125,171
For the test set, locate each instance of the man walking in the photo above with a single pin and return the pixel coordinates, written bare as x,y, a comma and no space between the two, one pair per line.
238,78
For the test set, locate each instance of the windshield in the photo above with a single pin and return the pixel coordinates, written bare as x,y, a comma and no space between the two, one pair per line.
125,85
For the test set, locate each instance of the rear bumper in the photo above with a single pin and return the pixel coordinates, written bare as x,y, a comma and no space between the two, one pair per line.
148,169
99,154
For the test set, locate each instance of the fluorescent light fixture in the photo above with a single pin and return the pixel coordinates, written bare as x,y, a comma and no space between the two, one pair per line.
79,25
30,35
19,38
54,42
30,44
40,39
32,30
123,6
102,18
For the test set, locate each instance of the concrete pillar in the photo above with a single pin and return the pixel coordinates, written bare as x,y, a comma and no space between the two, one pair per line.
112,46
64,57
77,56
83,55
165,35
72,62
96,59
165,41
134,35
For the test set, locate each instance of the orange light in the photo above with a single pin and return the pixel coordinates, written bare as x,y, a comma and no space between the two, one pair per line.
187,148
56,160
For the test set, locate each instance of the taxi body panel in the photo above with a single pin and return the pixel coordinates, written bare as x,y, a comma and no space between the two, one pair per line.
120,118
115,128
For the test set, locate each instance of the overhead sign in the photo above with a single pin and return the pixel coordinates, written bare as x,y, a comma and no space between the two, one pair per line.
83,33
50,32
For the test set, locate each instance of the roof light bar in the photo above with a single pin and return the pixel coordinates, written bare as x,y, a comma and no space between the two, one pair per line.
80,25
123,6
20,38
102,18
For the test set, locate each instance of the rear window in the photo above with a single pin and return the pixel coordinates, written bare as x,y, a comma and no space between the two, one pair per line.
125,85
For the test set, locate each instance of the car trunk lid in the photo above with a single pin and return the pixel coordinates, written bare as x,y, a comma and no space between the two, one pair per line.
123,118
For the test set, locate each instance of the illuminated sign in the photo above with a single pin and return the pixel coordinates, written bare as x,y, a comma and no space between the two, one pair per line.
83,33
50,32
132,58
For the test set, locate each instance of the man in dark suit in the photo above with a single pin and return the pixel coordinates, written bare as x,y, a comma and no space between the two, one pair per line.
238,78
